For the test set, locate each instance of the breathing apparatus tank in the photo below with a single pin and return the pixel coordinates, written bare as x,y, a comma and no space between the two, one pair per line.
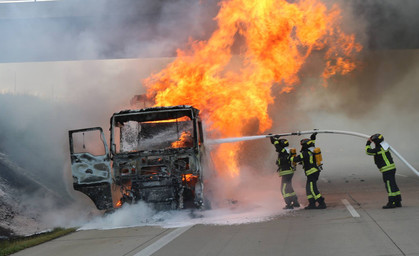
318,157
293,153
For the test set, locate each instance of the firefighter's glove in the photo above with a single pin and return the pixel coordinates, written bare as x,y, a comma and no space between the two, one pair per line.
368,142
313,136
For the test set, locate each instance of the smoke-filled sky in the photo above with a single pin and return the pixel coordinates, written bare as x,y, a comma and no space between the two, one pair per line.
41,101
101,29
105,29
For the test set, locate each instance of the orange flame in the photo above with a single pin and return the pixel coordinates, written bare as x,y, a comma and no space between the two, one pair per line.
279,36
181,119
189,177
185,140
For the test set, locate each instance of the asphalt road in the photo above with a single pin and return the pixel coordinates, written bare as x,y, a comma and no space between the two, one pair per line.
353,224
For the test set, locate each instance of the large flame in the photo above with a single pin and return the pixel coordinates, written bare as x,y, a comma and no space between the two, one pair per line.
279,36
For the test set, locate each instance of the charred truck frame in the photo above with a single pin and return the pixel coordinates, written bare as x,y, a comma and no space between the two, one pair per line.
155,156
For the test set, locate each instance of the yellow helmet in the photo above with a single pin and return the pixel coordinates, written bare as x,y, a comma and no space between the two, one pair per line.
283,143
377,138
306,143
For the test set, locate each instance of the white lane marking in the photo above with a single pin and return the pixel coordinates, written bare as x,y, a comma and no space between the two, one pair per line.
354,213
154,247
401,175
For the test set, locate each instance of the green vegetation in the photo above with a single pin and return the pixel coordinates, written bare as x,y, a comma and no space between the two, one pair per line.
13,245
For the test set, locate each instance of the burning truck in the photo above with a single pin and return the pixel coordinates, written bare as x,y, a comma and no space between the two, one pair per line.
156,155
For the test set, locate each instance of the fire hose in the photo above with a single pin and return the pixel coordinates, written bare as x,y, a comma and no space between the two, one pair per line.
299,133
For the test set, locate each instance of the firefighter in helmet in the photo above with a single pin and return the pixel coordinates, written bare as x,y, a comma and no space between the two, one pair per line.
312,171
384,162
285,171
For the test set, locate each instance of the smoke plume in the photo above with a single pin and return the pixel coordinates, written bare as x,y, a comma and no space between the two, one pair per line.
41,101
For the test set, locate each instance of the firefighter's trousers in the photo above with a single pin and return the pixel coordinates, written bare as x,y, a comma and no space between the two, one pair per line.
287,190
391,186
312,191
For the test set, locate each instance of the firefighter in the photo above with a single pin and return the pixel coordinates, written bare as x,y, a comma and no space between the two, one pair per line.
285,171
384,162
312,171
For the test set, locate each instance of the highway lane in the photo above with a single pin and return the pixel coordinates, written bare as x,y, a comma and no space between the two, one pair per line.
336,230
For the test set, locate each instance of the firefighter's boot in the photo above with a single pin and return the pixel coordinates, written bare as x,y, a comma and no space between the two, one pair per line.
311,204
295,203
288,207
398,201
288,203
391,203
322,204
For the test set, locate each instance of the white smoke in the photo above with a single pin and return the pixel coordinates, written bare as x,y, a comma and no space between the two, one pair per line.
141,214
368,101
40,102
101,29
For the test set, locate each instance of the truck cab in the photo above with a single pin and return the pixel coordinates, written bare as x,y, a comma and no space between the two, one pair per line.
155,156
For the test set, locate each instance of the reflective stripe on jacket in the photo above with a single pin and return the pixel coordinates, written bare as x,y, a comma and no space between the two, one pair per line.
309,163
382,157
284,163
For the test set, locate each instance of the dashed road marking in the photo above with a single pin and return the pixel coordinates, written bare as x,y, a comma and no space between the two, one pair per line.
154,247
354,213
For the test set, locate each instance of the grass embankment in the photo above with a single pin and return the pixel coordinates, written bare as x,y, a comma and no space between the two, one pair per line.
13,245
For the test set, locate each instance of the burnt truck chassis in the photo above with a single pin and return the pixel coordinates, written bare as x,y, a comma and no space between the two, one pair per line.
165,176
165,179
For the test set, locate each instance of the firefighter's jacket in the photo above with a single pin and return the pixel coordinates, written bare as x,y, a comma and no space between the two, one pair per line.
309,163
382,157
284,163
